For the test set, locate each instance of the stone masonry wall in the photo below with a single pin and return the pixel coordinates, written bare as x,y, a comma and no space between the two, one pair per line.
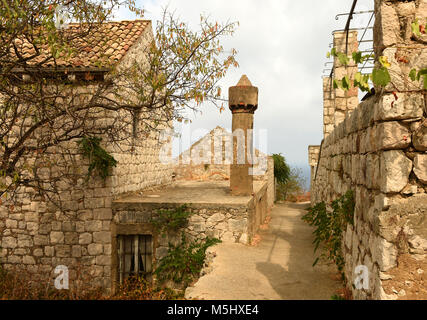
379,152
207,167
36,235
228,222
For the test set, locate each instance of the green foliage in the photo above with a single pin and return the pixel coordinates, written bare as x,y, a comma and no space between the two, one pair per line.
417,28
281,168
293,186
329,227
380,75
99,159
337,297
361,81
184,262
170,219
416,76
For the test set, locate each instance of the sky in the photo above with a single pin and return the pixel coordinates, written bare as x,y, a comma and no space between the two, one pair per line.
282,46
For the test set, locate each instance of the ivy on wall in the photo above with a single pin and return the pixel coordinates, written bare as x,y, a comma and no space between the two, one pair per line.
100,160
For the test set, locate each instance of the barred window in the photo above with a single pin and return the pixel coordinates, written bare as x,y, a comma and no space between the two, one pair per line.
135,254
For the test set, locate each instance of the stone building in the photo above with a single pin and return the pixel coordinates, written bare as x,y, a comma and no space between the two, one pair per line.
106,232
378,150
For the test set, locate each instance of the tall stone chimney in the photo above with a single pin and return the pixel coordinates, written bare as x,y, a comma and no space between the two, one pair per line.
243,101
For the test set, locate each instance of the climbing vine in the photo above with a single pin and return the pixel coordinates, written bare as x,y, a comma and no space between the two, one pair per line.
329,226
380,74
167,220
184,261
99,159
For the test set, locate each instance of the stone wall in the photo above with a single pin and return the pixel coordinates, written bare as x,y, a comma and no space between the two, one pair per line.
379,152
201,163
231,223
313,158
39,236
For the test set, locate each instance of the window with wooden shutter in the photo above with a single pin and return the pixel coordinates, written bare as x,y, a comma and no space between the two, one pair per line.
135,254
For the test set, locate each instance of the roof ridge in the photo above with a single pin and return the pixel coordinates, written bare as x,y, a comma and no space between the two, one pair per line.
106,22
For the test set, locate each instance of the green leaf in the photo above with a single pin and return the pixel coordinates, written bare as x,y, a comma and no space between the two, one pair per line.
336,84
425,81
315,262
358,77
343,58
422,72
416,28
357,57
413,74
345,83
381,76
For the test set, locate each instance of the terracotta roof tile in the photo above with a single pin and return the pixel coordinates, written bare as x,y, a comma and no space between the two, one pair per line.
105,46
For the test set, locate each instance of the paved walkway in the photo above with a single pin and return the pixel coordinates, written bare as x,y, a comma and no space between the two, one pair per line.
279,267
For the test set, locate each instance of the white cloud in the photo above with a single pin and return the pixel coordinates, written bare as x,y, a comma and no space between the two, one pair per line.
281,46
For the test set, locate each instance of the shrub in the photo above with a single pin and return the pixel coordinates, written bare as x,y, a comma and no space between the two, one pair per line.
184,262
329,226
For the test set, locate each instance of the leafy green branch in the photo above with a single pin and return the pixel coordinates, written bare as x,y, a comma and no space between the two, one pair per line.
380,75
184,262
329,226
99,159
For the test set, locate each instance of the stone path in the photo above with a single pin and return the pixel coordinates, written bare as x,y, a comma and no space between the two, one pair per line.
279,267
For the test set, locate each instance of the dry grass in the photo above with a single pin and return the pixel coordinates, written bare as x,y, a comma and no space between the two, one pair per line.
18,284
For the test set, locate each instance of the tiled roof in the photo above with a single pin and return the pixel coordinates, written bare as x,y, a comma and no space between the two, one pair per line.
106,45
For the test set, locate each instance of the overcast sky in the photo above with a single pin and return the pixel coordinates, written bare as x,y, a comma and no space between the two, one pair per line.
282,47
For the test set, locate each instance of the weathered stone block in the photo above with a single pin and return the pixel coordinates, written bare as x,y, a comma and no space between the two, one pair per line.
56,237
85,238
103,260
12,224
95,249
392,135
407,106
63,251
41,240
103,214
395,169
76,251
384,254
419,138
215,218
420,167
372,171
102,237
93,225
237,225
9,242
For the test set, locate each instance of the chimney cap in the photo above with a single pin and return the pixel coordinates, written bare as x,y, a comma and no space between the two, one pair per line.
243,97
244,82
